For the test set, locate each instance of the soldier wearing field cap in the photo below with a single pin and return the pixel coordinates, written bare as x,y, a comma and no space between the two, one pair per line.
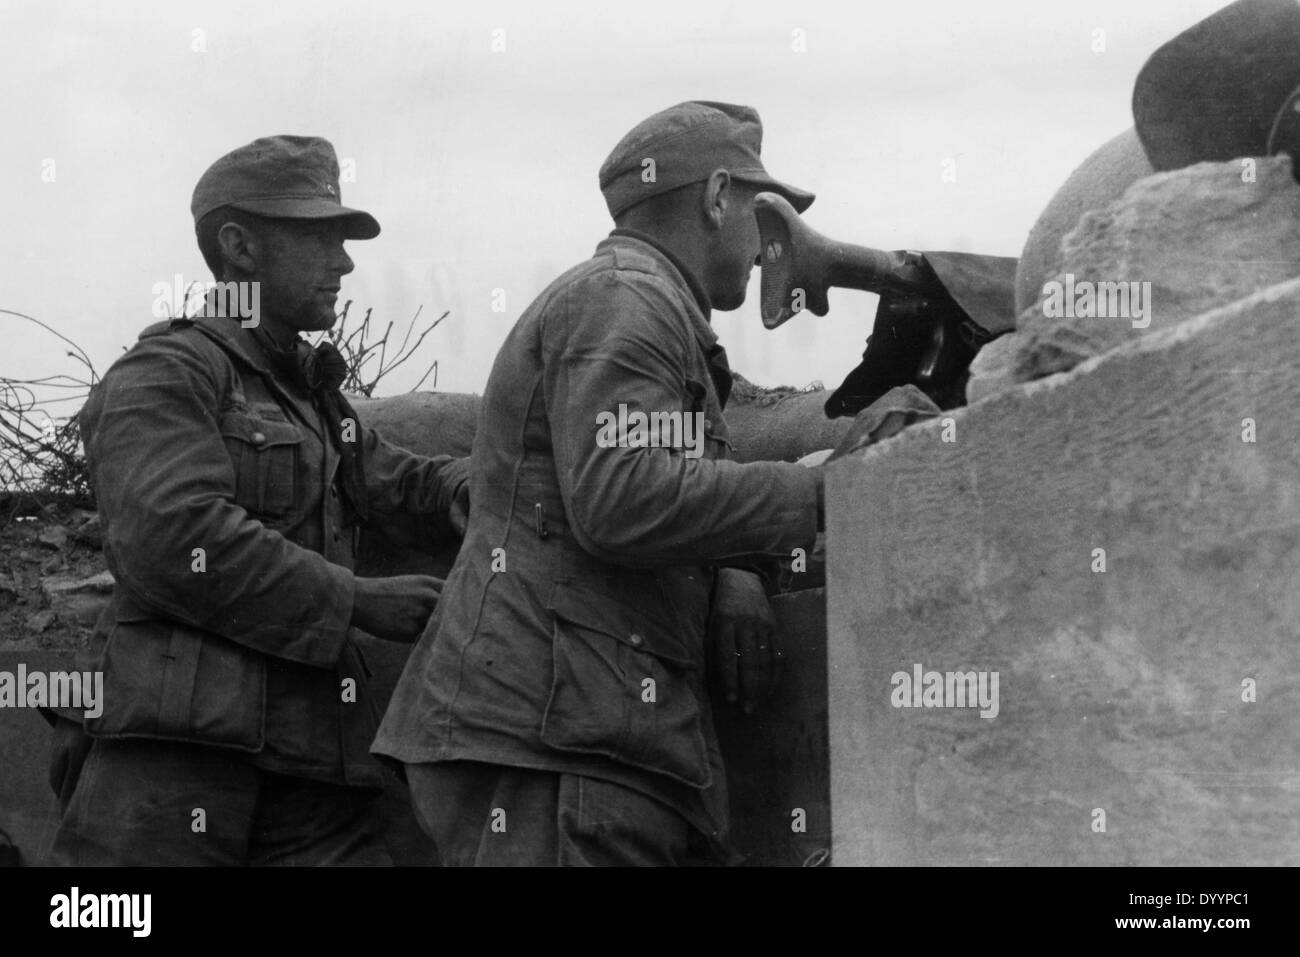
558,710
233,479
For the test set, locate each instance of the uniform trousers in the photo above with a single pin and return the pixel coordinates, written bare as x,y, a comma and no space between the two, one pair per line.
148,802
488,815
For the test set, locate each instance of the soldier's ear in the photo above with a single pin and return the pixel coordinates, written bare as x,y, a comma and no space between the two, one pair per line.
240,246
718,195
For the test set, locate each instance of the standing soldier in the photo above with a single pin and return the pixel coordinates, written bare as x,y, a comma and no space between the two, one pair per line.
233,479
557,712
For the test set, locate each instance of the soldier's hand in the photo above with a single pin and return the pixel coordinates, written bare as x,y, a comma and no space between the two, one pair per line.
396,608
742,628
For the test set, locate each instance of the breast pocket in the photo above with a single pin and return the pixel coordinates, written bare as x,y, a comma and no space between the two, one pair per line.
266,455
622,687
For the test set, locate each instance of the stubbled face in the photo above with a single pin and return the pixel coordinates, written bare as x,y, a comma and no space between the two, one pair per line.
301,265
736,250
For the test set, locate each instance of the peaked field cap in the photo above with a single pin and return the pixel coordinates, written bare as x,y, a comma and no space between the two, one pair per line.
281,177
684,144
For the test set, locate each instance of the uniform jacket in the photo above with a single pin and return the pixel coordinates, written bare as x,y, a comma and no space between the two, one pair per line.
225,534
571,631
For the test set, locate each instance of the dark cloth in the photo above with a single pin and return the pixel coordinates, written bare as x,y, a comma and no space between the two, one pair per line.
196,443
927,335
894,411
135,804
487,815
69,748
586,574
983,286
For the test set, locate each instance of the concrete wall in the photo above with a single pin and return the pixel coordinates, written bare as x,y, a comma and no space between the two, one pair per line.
1192,240
1119,691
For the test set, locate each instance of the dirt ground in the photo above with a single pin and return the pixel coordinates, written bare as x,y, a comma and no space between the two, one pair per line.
60,547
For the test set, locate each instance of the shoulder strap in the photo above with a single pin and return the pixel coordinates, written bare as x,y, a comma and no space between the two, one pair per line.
166,326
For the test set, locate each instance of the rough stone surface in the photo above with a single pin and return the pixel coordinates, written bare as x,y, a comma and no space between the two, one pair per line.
56,536
79,599
1200,236
90,532
1099,179
1119,690
59,585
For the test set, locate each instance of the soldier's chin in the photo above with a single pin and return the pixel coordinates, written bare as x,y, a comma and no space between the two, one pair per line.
730,301
316,318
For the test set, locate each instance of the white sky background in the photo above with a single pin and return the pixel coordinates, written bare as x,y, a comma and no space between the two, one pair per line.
481,166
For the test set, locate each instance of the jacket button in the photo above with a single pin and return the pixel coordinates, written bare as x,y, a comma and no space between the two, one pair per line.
636,639
259,438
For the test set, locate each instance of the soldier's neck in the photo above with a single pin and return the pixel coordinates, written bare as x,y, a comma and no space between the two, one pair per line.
280,335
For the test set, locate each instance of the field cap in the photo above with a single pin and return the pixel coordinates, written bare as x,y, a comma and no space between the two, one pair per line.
684,144
281,177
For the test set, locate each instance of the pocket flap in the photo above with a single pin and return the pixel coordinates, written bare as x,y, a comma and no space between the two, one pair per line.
165,680
625,701
258,432
610,616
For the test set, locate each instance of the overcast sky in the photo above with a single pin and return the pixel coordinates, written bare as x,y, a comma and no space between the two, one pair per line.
481,165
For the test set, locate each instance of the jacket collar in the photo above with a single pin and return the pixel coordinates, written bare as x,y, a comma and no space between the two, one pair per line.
692,282
243,345
719,368
677,270
250,345
238,341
